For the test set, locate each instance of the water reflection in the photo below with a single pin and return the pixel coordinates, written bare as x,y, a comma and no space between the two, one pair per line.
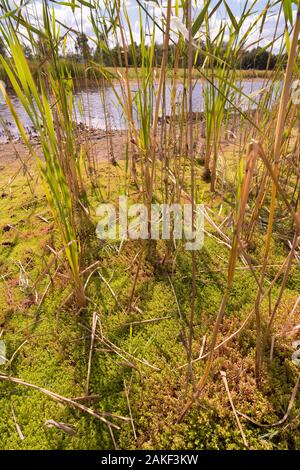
91,109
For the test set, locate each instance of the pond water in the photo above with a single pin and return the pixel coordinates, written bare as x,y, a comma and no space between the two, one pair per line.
91,111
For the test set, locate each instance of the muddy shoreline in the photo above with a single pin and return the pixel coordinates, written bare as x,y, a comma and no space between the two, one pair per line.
102,145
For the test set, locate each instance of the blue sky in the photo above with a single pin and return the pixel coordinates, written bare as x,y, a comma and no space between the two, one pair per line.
81,18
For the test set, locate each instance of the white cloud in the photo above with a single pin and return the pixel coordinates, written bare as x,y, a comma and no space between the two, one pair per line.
79,20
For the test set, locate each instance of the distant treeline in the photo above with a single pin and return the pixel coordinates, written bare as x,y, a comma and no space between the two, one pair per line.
254,59
258,58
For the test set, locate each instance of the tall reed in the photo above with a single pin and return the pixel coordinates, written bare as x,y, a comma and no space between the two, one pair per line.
49,106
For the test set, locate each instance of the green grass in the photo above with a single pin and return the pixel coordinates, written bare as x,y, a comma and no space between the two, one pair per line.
81,72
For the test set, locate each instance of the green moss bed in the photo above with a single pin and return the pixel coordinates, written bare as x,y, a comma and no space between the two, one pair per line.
48,344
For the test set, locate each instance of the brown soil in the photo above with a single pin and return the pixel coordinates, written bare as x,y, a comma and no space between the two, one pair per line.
100,144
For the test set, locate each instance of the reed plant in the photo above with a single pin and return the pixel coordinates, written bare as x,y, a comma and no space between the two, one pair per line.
48,103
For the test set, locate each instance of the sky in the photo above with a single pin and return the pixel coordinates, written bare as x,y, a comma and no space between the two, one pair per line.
81,18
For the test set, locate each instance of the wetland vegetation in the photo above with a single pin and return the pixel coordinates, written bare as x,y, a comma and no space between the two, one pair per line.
124,343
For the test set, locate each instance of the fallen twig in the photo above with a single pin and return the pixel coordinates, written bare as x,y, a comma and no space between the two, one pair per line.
67,401
129,408
94,325
224,378
281,421
143,322
67,428
19,431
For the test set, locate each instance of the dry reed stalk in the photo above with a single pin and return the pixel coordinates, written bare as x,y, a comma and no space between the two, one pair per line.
94,326
192,166
224,378
245,190
158,100
277,153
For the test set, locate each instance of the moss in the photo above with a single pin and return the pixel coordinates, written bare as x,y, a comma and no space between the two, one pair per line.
150,358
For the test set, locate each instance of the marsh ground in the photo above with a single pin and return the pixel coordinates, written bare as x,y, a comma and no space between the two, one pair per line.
138,367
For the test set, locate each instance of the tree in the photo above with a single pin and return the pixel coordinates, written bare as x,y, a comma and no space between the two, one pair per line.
258,59
42,49
2,48
28,52
82,47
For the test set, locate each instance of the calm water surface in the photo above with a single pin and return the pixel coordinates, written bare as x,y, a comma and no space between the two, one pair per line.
90,109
